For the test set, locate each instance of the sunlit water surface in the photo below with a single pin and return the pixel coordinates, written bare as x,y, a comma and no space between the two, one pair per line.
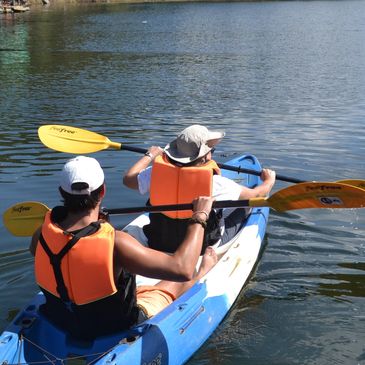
286,80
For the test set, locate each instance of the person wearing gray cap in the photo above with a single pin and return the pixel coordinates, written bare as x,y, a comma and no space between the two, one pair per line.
180,172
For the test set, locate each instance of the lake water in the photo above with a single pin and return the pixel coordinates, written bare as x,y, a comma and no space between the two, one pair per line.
286,80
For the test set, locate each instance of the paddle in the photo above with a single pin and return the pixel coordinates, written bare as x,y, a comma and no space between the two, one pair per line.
80,141
354,182
24,218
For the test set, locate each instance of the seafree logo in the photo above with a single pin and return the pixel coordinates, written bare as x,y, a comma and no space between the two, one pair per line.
156,361
330,200
62,130
323,187
20,209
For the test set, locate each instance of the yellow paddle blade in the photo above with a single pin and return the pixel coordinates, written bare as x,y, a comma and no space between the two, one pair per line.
354,182
74,140
316,195
24,218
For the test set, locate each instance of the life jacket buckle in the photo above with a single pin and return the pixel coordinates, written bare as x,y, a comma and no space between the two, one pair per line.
69,305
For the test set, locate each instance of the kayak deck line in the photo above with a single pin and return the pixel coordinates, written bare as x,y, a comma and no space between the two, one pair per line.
187,325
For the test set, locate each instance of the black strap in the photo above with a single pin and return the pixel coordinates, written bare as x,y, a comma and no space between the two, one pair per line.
55,259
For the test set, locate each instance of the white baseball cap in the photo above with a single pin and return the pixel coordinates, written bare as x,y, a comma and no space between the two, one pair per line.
192,143
81,169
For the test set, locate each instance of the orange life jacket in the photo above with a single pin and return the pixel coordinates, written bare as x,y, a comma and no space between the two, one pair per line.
172,184
87,268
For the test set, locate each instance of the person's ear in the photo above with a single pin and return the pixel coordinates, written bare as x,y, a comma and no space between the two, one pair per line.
103,191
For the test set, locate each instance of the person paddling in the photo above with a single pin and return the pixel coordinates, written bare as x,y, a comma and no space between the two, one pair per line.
86,268
180,172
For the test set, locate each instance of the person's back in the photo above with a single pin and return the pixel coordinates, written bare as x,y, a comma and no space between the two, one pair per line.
192,148
174,184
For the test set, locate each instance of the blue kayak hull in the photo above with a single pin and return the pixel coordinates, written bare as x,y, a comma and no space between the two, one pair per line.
170,337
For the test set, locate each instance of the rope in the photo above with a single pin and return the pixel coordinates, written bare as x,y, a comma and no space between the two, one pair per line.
55,359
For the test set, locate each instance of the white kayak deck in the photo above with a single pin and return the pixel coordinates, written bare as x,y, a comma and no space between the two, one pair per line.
239,254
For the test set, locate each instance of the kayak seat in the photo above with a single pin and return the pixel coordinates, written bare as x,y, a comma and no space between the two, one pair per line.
87,322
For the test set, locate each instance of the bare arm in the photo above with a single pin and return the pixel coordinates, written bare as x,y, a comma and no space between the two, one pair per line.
130,178
179,266
268,177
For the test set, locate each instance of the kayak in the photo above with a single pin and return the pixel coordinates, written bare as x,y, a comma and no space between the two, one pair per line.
170,337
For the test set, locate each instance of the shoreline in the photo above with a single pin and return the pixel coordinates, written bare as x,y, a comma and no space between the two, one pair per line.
39,4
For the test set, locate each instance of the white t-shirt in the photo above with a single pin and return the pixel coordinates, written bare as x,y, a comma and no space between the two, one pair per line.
223,188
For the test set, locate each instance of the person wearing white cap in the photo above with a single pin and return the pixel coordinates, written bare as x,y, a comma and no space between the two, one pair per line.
86,268
176,176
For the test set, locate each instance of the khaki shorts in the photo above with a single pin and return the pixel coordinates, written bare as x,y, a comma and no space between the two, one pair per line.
152,299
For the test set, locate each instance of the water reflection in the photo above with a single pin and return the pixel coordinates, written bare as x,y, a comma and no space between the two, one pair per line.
286,80
14,51
344,285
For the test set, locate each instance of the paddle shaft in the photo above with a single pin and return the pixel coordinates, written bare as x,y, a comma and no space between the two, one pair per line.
172,207
258,173
223,166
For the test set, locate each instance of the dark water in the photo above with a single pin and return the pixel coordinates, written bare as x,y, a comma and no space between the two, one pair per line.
286,80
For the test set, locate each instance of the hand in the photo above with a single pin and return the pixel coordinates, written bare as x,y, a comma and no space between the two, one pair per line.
202,207
154,151
268,175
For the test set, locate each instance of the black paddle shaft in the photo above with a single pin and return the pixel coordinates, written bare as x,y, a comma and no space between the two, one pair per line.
258,173
225,167
173,207
132,149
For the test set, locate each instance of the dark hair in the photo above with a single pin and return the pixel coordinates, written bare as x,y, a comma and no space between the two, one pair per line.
78,203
